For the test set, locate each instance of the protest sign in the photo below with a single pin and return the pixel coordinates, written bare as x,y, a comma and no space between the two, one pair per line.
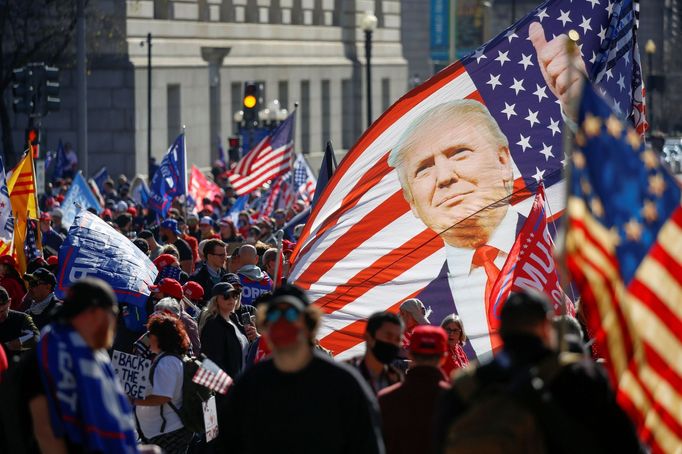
133,371
210,418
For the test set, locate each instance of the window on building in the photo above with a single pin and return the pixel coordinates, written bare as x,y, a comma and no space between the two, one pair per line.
297,13
227,11
235,102
305,116
379,12
275,12
283,94
385,94
161,9
173,112
252,11
326,112
347,136
338,12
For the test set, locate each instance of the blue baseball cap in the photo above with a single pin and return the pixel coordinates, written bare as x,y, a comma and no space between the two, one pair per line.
171,224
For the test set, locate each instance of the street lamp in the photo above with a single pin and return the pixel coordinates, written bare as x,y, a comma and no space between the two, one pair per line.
149,103
650,49
368,25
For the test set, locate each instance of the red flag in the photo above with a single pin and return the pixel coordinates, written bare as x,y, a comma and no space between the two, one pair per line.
530,264
200,187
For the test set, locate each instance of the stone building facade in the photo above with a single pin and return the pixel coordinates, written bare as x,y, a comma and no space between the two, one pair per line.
305,51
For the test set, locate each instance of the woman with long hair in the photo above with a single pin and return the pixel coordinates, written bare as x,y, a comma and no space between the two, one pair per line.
157,414
221,340
456,358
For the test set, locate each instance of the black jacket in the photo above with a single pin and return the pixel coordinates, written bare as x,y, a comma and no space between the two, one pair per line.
220,344
203,278
580,390
47,314
16,325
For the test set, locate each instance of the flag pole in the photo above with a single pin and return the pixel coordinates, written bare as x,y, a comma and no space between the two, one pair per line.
293,155
184,168
567,145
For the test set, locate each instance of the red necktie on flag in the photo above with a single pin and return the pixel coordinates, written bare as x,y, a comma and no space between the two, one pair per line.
485,256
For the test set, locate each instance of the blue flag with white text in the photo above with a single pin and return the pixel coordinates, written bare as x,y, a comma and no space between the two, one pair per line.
79,196
170,180
94,249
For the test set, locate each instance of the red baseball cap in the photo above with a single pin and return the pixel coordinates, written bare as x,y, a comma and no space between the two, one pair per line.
53,260
165,260
288,246
193,291
169,287
428,340
45,216
8,260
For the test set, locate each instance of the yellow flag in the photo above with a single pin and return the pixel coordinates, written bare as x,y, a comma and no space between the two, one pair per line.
22,193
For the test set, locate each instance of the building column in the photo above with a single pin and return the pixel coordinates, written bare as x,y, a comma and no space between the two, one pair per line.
214,56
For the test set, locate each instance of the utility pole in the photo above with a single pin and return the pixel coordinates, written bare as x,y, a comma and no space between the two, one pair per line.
149,106
82,88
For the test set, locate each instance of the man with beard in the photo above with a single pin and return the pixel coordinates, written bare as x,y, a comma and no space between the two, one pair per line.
382,337
297,400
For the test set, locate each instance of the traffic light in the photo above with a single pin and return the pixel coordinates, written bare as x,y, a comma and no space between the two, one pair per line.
250,103
49,95
22,90
33,141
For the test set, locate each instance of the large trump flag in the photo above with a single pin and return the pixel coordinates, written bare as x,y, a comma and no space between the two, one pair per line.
428,201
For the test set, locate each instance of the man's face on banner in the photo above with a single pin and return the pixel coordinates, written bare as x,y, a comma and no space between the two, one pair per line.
453,169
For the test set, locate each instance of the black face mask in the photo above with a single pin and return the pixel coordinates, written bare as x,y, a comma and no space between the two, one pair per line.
385,352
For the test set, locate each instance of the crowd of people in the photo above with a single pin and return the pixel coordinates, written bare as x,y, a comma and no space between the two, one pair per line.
221,294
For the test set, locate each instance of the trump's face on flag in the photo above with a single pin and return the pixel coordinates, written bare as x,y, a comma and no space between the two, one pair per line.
455,169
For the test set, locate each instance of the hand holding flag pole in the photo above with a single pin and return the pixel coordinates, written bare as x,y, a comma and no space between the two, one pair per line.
571,46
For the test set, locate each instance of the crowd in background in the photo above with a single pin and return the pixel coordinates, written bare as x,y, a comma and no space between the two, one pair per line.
221,294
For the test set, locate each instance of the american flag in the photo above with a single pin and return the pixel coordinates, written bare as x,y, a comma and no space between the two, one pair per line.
212,377
363,250
304,180
269,205
31,249
624,251
268,160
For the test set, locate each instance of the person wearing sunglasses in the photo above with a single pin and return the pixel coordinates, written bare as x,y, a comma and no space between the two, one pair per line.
289,392
41,284
213,268
221,340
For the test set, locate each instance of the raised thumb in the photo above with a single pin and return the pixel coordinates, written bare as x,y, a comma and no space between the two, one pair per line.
537,36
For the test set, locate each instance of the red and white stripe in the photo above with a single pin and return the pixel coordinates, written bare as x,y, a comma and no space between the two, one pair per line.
261,165
212,377
639,327
269,205
306,191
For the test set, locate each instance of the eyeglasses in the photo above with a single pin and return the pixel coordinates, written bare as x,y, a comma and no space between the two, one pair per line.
289,313
452,330
233,295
